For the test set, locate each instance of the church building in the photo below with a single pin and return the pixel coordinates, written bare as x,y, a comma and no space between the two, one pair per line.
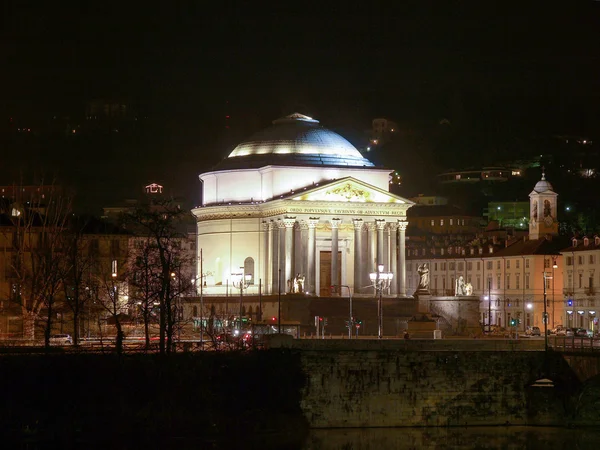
296,208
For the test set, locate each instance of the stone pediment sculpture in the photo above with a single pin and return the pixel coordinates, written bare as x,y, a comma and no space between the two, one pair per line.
349,190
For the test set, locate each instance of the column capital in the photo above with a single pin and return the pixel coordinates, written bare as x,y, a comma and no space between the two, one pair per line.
335,223
358,224
289,221
380,223
267,225
312,222
402,224
279,224
370,226
303,225
393,226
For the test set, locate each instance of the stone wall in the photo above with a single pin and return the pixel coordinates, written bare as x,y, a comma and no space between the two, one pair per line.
460,314
396,384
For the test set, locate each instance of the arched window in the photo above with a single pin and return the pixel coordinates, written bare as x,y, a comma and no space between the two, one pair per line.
249,269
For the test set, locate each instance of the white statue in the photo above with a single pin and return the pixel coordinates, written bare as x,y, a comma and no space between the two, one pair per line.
468,289
299,284
459,289
423,272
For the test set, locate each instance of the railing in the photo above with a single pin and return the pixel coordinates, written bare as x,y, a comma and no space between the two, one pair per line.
590,290
568,292
574,344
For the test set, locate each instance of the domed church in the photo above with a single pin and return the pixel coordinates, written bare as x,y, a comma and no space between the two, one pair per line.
296,208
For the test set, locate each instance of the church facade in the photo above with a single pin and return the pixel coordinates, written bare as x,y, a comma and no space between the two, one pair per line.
297,209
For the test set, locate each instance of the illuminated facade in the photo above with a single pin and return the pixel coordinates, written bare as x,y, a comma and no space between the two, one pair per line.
299,202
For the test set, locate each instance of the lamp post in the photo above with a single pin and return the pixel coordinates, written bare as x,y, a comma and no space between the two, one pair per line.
350,320
381,280
554,266
489,306
545,317
241,281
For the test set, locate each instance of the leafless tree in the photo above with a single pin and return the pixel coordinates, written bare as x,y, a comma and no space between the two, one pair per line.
158,223
37,257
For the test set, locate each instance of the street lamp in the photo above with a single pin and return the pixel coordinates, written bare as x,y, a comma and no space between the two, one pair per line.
554,266
545,318
241,282
381,280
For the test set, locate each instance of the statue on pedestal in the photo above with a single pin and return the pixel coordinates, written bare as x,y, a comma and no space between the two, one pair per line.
423,272
299,284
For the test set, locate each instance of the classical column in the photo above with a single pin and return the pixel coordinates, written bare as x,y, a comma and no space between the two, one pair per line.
371,248
402,224
268,265
335,224
380,224
278,258
358,269
393,252
311,255
289,223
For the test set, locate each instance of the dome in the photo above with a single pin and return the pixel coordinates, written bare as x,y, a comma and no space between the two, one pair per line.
299,140
543,185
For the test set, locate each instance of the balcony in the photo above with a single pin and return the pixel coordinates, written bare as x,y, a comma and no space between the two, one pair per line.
590,290
568,292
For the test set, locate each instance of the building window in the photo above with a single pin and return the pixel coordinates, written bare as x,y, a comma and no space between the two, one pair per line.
432,222
478,283
546,263
580,260
526,281
518,263
569,260
451,221
548,283
452,266
507,281
580,280
435,266
249,269
518,281
508,263
592,259
489,265
469,265
527,263
115,247
461,266
498,264
441,222
498,282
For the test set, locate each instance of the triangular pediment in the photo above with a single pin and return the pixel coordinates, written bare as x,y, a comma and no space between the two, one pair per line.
349,190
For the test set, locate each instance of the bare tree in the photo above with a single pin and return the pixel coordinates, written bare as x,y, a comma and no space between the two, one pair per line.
158,223
37,257
78,264
144,282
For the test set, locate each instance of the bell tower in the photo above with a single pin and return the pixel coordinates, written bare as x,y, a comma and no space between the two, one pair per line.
543,218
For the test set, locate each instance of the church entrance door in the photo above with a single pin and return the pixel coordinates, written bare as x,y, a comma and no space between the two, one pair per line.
325,273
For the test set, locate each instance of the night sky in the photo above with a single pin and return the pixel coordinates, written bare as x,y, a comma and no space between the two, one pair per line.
516,69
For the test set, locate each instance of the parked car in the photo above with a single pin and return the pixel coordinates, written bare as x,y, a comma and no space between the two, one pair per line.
535,331
61,339
559,330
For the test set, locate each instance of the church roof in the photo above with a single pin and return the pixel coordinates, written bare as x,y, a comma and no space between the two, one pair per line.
295,140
